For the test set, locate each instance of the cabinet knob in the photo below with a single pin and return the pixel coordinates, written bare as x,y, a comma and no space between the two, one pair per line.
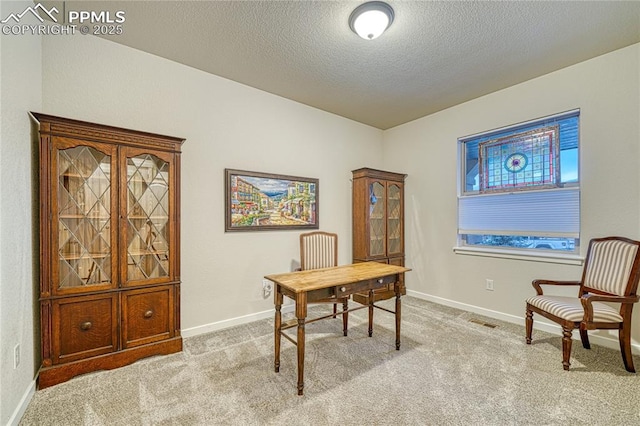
86,326
148,314
343,289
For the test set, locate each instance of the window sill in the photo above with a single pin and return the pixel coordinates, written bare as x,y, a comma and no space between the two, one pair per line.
537,256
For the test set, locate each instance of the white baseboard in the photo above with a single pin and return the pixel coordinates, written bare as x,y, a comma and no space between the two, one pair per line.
22,406
220,325
606,341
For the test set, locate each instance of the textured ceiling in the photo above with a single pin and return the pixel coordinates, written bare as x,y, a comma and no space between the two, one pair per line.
435,55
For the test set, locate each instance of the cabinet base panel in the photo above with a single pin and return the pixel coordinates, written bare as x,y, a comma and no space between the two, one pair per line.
56,374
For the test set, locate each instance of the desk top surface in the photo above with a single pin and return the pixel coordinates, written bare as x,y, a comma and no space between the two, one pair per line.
314,279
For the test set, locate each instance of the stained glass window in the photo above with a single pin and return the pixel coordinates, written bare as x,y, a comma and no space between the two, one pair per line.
527,160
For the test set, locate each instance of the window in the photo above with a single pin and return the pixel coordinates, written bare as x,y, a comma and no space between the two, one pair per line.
519,186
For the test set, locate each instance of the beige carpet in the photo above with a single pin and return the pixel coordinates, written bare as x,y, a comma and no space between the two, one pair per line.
450,370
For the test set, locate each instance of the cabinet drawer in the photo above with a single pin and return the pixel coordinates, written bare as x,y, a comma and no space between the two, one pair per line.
147,315
84,327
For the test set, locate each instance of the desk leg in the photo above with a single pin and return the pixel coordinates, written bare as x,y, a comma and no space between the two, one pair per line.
396,287
370,313
301,314
345,316
277,327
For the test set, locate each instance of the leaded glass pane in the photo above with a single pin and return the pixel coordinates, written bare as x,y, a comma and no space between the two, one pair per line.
527,160
394,224
148,218
84,205
377,208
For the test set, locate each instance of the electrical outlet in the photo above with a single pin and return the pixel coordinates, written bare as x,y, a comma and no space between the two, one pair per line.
16,356
267,287
489,284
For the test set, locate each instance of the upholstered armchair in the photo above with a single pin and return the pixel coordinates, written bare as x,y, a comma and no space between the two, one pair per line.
318,250
611,272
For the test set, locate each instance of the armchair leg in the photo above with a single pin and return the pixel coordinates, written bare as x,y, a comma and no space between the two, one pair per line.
566,347
529,325
585,338
624,336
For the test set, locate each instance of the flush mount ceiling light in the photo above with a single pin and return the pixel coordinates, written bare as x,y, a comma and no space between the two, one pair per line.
371,19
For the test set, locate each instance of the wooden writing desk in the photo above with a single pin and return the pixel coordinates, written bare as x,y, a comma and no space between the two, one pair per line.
308,286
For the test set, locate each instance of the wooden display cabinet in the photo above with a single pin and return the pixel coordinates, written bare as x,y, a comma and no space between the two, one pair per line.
109,247
378,222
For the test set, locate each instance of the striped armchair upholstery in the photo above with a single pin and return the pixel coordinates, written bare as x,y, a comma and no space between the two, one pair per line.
570,308
611,273
319,250
609,266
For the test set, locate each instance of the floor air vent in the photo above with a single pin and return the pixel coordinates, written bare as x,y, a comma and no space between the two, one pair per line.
486,324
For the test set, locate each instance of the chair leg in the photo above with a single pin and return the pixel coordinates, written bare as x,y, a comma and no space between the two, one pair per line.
585,338
624,336
529,325
566,347
345,316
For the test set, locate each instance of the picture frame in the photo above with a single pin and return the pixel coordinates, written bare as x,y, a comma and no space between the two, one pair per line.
256,201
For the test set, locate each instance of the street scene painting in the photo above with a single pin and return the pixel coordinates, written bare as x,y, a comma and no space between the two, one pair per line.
262,201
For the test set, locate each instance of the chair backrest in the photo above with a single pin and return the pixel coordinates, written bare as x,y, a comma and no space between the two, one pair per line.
318,250
612,266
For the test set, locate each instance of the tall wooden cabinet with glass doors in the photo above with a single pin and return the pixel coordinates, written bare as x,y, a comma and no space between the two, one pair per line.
109,247
378,222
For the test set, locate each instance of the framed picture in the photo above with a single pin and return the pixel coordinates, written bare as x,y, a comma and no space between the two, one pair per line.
257,201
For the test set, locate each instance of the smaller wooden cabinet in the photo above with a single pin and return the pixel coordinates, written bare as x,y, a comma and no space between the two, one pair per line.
109,246
378,222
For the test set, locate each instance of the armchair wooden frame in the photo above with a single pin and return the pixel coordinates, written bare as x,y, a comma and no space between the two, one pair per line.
319,249
611,274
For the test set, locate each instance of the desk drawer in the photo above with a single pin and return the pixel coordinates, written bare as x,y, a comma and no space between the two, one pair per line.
347,289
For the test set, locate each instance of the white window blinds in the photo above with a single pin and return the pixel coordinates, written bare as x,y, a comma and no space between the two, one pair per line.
549,213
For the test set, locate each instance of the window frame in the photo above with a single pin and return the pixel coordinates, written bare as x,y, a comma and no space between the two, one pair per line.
544,255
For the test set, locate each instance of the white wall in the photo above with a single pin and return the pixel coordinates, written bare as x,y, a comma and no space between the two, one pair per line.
226,125
20,85
607,91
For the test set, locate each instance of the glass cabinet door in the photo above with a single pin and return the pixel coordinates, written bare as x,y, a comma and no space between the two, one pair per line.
148,222
377,210
85,226
394,219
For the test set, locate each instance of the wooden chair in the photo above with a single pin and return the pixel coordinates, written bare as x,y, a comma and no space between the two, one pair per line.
318,250
610,274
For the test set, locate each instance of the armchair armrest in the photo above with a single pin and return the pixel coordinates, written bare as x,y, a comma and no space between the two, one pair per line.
537,283
588,299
